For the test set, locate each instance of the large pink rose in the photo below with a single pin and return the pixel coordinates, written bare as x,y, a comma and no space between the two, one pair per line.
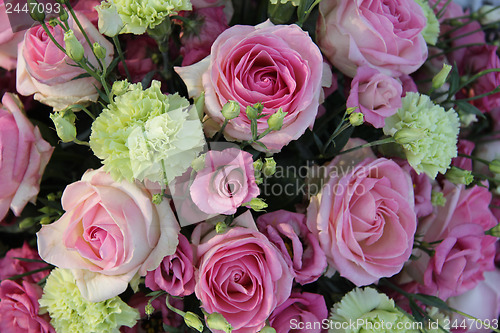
302,312
47,72
24,156
300,247
242,276
9,266
278,66
378,96
226,182
19,308
8,41
365,220
383,34
110,232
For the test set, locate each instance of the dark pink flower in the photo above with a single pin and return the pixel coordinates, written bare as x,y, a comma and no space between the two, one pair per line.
10,266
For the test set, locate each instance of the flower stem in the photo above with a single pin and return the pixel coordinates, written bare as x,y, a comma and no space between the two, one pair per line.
370,144
122,57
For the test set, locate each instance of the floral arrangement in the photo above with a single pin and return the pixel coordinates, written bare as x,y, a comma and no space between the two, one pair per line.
249,166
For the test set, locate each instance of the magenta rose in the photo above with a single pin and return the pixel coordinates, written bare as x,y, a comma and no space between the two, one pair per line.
46,72
299,247
110,232
301,312
377,95
276,65
175,275
24,156
19,308
9,266
365,220
8,40
226,182
197,45
242,276
383,34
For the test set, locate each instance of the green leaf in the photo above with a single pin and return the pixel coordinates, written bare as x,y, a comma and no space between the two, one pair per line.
81,76
416,311
469,108
432,301
112,65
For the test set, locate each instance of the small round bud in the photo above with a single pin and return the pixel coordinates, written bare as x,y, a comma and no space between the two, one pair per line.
198,163
231,110
109,21
257,165
494,166
73,47
216,321
120,87
193,321
252,112
459,176
220,228
64,122
351,110
36,11
63,14
438,199
267,329
157,198
440,78
99,51
256,204
149,309
408,135
356,119
269,167
275,121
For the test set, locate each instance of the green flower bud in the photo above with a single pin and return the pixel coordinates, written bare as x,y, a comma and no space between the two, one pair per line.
494,166
275,121
438,199
120,87
280,12
63,15
252,112
36,11
231,110
99,51
459,176
74,48
157,198
351,110
408,135
215,321
257,165
193,321
356,118
198,163
220,228
269,167
267,329
109,21
256,204
65,125
440,78
495,231
149,309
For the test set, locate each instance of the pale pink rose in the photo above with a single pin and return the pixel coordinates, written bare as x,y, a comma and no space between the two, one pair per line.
24,156
19,308
278,66
197,44
462,251
175,275
299,247
300,310
8,40
385,35
365,221
162,315
47,72
9,266
482,302
225,183
110,232
377,95
227,4
242,276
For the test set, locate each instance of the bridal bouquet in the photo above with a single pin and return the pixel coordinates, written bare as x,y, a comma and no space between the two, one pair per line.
249,166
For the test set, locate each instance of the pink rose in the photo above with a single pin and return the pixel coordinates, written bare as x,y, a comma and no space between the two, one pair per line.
299,247
110,232
385,35
462,251
378,96
8,40
422,189
226,182
175,275
197,44
161,316
278,66
301,312
482,302
10,267
48,73
365,220
25,155
242,276
19,308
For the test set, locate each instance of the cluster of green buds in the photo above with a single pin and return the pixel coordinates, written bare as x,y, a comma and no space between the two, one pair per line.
265,168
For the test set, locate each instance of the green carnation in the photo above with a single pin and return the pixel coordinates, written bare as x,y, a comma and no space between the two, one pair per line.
70,312
366,310
144,134
139,15
431,30
432,151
